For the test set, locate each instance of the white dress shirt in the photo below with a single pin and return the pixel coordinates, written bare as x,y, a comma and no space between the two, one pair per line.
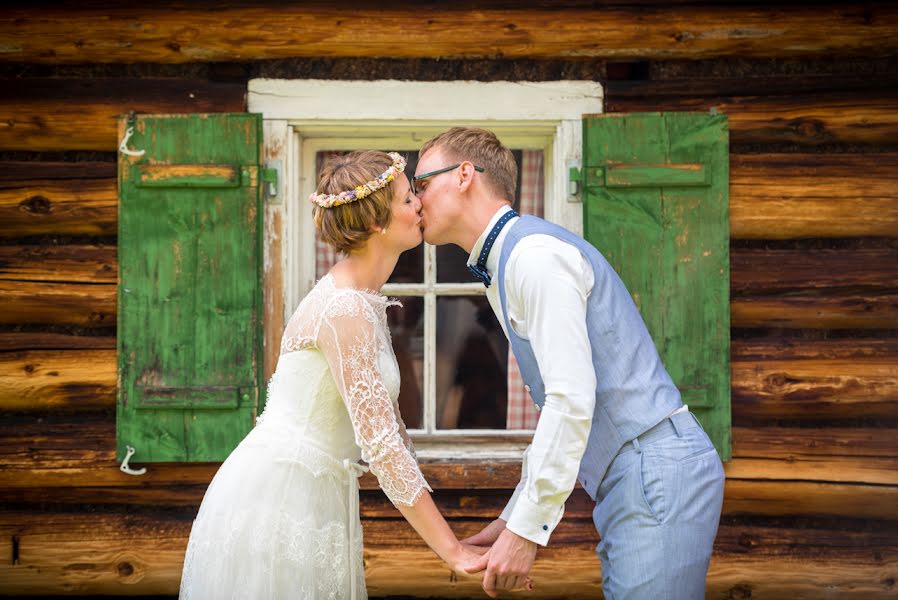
547,283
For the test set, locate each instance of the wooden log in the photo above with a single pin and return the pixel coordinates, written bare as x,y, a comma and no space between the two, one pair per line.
772,196
861,117
61,207
840,288
44,340
82,114
777,347
143,553
787,196
19,171
828,471
86,439
854,311
808,271
61,264
84,304
794,390
57,380
811,380
803,288
179,34
791,442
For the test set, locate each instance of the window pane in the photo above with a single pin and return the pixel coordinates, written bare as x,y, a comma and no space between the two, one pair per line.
471,365
529,200
409,269
407,329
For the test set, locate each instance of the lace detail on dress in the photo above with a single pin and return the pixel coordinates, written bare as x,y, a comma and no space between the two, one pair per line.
350,328
350,336
307,548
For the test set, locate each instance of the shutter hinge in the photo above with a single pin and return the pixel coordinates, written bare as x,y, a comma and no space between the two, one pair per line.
271,176
574,180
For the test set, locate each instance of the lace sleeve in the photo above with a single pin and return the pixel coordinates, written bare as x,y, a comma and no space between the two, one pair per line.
347,337
406,439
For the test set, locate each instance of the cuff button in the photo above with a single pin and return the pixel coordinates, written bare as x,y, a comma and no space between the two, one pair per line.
545,528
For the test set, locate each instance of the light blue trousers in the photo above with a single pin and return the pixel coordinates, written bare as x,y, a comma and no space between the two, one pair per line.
657,513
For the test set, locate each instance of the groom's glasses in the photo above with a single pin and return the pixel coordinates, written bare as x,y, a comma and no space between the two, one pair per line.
418,178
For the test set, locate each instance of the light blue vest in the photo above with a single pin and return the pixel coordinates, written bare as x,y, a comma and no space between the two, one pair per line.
633,392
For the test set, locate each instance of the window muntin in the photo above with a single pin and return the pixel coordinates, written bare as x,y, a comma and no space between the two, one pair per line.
458,372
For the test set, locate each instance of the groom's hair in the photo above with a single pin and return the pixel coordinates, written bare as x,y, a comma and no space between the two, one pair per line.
483,148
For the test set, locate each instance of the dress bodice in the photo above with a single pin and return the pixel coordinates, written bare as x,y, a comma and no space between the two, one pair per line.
336,386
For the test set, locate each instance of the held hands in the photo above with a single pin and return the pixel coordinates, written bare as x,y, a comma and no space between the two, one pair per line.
507,563
487,536
463,556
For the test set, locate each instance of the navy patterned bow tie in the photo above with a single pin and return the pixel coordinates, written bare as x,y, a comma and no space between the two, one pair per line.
479,270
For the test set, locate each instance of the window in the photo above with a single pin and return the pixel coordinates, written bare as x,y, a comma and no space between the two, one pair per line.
458,380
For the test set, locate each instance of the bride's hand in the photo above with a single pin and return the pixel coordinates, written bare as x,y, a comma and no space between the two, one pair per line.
465,556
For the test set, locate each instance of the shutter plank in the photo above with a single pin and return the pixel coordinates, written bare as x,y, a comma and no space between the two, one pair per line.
189,299
663,225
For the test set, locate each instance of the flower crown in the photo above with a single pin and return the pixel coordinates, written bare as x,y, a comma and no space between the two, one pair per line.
360,191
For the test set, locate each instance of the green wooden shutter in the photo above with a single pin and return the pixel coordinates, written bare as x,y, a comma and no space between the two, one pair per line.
655,204
189,303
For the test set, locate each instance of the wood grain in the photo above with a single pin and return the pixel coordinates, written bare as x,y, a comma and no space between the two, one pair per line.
788,196
837,471
772,196
81,263
837,117
50,340
181,34
49,380
826,382
811,380
81,114
53,303
114,553
58,206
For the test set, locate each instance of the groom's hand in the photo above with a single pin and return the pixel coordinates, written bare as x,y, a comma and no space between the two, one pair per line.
507,564
488,535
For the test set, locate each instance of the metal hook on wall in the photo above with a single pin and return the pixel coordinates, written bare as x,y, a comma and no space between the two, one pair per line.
123,147
124,468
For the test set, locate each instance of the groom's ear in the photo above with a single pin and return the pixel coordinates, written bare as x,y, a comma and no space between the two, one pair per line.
465,176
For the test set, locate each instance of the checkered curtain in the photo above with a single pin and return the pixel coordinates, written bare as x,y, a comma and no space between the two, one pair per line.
521,413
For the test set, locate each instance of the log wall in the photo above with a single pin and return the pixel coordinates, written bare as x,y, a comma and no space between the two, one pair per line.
811,504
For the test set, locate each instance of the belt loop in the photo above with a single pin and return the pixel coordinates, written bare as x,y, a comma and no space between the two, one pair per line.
636,446
699,423
673,421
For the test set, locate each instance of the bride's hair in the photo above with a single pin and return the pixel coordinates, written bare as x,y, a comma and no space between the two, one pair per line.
348,226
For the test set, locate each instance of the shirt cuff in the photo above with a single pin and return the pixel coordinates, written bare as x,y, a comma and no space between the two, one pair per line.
534,522
506,512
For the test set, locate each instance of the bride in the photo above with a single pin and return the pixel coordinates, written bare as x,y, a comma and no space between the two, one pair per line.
280,519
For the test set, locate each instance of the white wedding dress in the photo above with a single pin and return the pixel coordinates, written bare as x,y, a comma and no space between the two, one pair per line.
280,519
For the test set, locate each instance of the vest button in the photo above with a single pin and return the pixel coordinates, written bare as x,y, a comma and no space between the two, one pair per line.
537,407
527,387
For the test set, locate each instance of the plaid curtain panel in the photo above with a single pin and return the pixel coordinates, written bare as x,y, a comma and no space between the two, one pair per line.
521,412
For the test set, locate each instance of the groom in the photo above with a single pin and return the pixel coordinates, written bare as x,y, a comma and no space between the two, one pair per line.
611,418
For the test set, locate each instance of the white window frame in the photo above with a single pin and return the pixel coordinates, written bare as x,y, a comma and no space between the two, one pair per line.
302,117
